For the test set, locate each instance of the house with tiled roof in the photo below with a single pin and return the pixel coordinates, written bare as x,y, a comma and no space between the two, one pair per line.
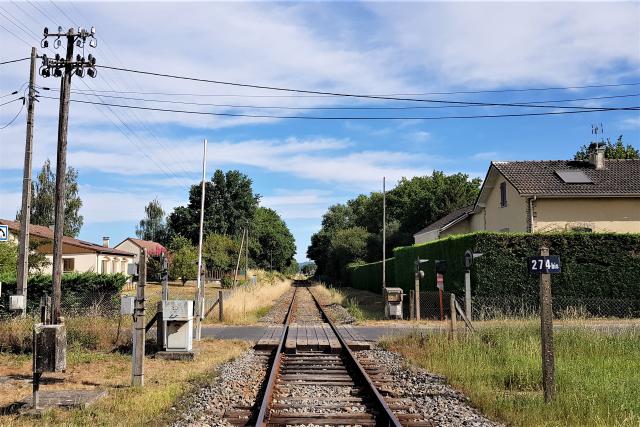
598,195
135,246
77,255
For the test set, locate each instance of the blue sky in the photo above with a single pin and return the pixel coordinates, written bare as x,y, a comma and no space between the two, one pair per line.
300,167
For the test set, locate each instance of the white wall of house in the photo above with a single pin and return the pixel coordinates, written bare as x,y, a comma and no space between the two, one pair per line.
129,246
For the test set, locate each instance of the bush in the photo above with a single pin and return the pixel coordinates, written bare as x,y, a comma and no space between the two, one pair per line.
78,289
594,265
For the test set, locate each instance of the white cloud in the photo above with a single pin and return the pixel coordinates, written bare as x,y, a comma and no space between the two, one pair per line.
509,43
631,123
302,204
419,136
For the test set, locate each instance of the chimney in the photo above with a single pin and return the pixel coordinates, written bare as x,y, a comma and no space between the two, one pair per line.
596,158
105,241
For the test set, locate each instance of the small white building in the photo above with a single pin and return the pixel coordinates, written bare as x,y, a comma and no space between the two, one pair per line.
77,255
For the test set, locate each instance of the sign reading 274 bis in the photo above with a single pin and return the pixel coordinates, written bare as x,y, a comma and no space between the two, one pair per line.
544,264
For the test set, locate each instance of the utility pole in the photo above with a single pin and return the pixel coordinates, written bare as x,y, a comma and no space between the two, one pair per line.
25,213
384,235
70,67
235,275
199,283
246,256
137,359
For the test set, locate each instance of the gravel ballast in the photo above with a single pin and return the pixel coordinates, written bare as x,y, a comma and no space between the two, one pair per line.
237,384
424,393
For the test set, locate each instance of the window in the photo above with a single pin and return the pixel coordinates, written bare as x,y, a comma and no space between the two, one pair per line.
67,265
114,268
503,194
123,267
104,266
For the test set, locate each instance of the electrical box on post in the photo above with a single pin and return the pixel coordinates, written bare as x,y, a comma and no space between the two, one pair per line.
49,348
17,302
177,316
127,305
393,302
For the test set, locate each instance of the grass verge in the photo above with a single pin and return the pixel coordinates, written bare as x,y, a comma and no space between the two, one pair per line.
165,383
250,302
499,368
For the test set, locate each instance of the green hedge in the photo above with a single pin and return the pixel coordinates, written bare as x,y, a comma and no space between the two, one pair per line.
77,288
594,265
369,276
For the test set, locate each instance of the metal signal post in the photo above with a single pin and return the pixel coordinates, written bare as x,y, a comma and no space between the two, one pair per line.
65,68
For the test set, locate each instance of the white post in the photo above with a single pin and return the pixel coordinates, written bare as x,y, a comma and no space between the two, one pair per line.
467,293
384,235
199,284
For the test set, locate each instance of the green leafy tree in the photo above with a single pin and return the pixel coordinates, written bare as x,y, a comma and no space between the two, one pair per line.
152,226
8,260
615,150
220,252
347,246
43,200
411,205
184,263
309,269
421,200
271,244
229,205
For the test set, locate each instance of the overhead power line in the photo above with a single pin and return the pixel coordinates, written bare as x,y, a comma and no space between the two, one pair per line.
391,97
526,104
12,61
266,116
306,91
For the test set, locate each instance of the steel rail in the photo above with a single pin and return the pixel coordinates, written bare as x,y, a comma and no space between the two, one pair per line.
383,409
275,368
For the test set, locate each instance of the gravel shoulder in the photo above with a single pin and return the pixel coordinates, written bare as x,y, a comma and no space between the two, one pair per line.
424,393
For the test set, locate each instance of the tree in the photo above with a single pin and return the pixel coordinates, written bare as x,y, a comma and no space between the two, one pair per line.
220,252
271,244
43,200
9,259
615,150
309,269
421,200
411,205
347,246
229,205
184,263
152,226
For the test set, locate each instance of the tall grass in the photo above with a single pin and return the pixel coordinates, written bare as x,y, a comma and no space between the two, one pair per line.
249,302
499,368
87,333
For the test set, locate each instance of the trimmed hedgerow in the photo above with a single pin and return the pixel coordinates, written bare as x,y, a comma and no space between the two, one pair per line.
594,265
369,276
77,288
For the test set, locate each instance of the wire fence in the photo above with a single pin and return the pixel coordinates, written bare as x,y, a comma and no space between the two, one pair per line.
517,306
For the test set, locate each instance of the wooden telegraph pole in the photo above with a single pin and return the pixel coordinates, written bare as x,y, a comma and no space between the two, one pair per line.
200,283
64,68
25,213
546,332
137,359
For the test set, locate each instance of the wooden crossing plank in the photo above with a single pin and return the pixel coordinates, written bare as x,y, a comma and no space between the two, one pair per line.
270,339
290,343
334,344
323,339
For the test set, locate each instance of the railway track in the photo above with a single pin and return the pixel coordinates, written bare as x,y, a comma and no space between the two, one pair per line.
325,386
